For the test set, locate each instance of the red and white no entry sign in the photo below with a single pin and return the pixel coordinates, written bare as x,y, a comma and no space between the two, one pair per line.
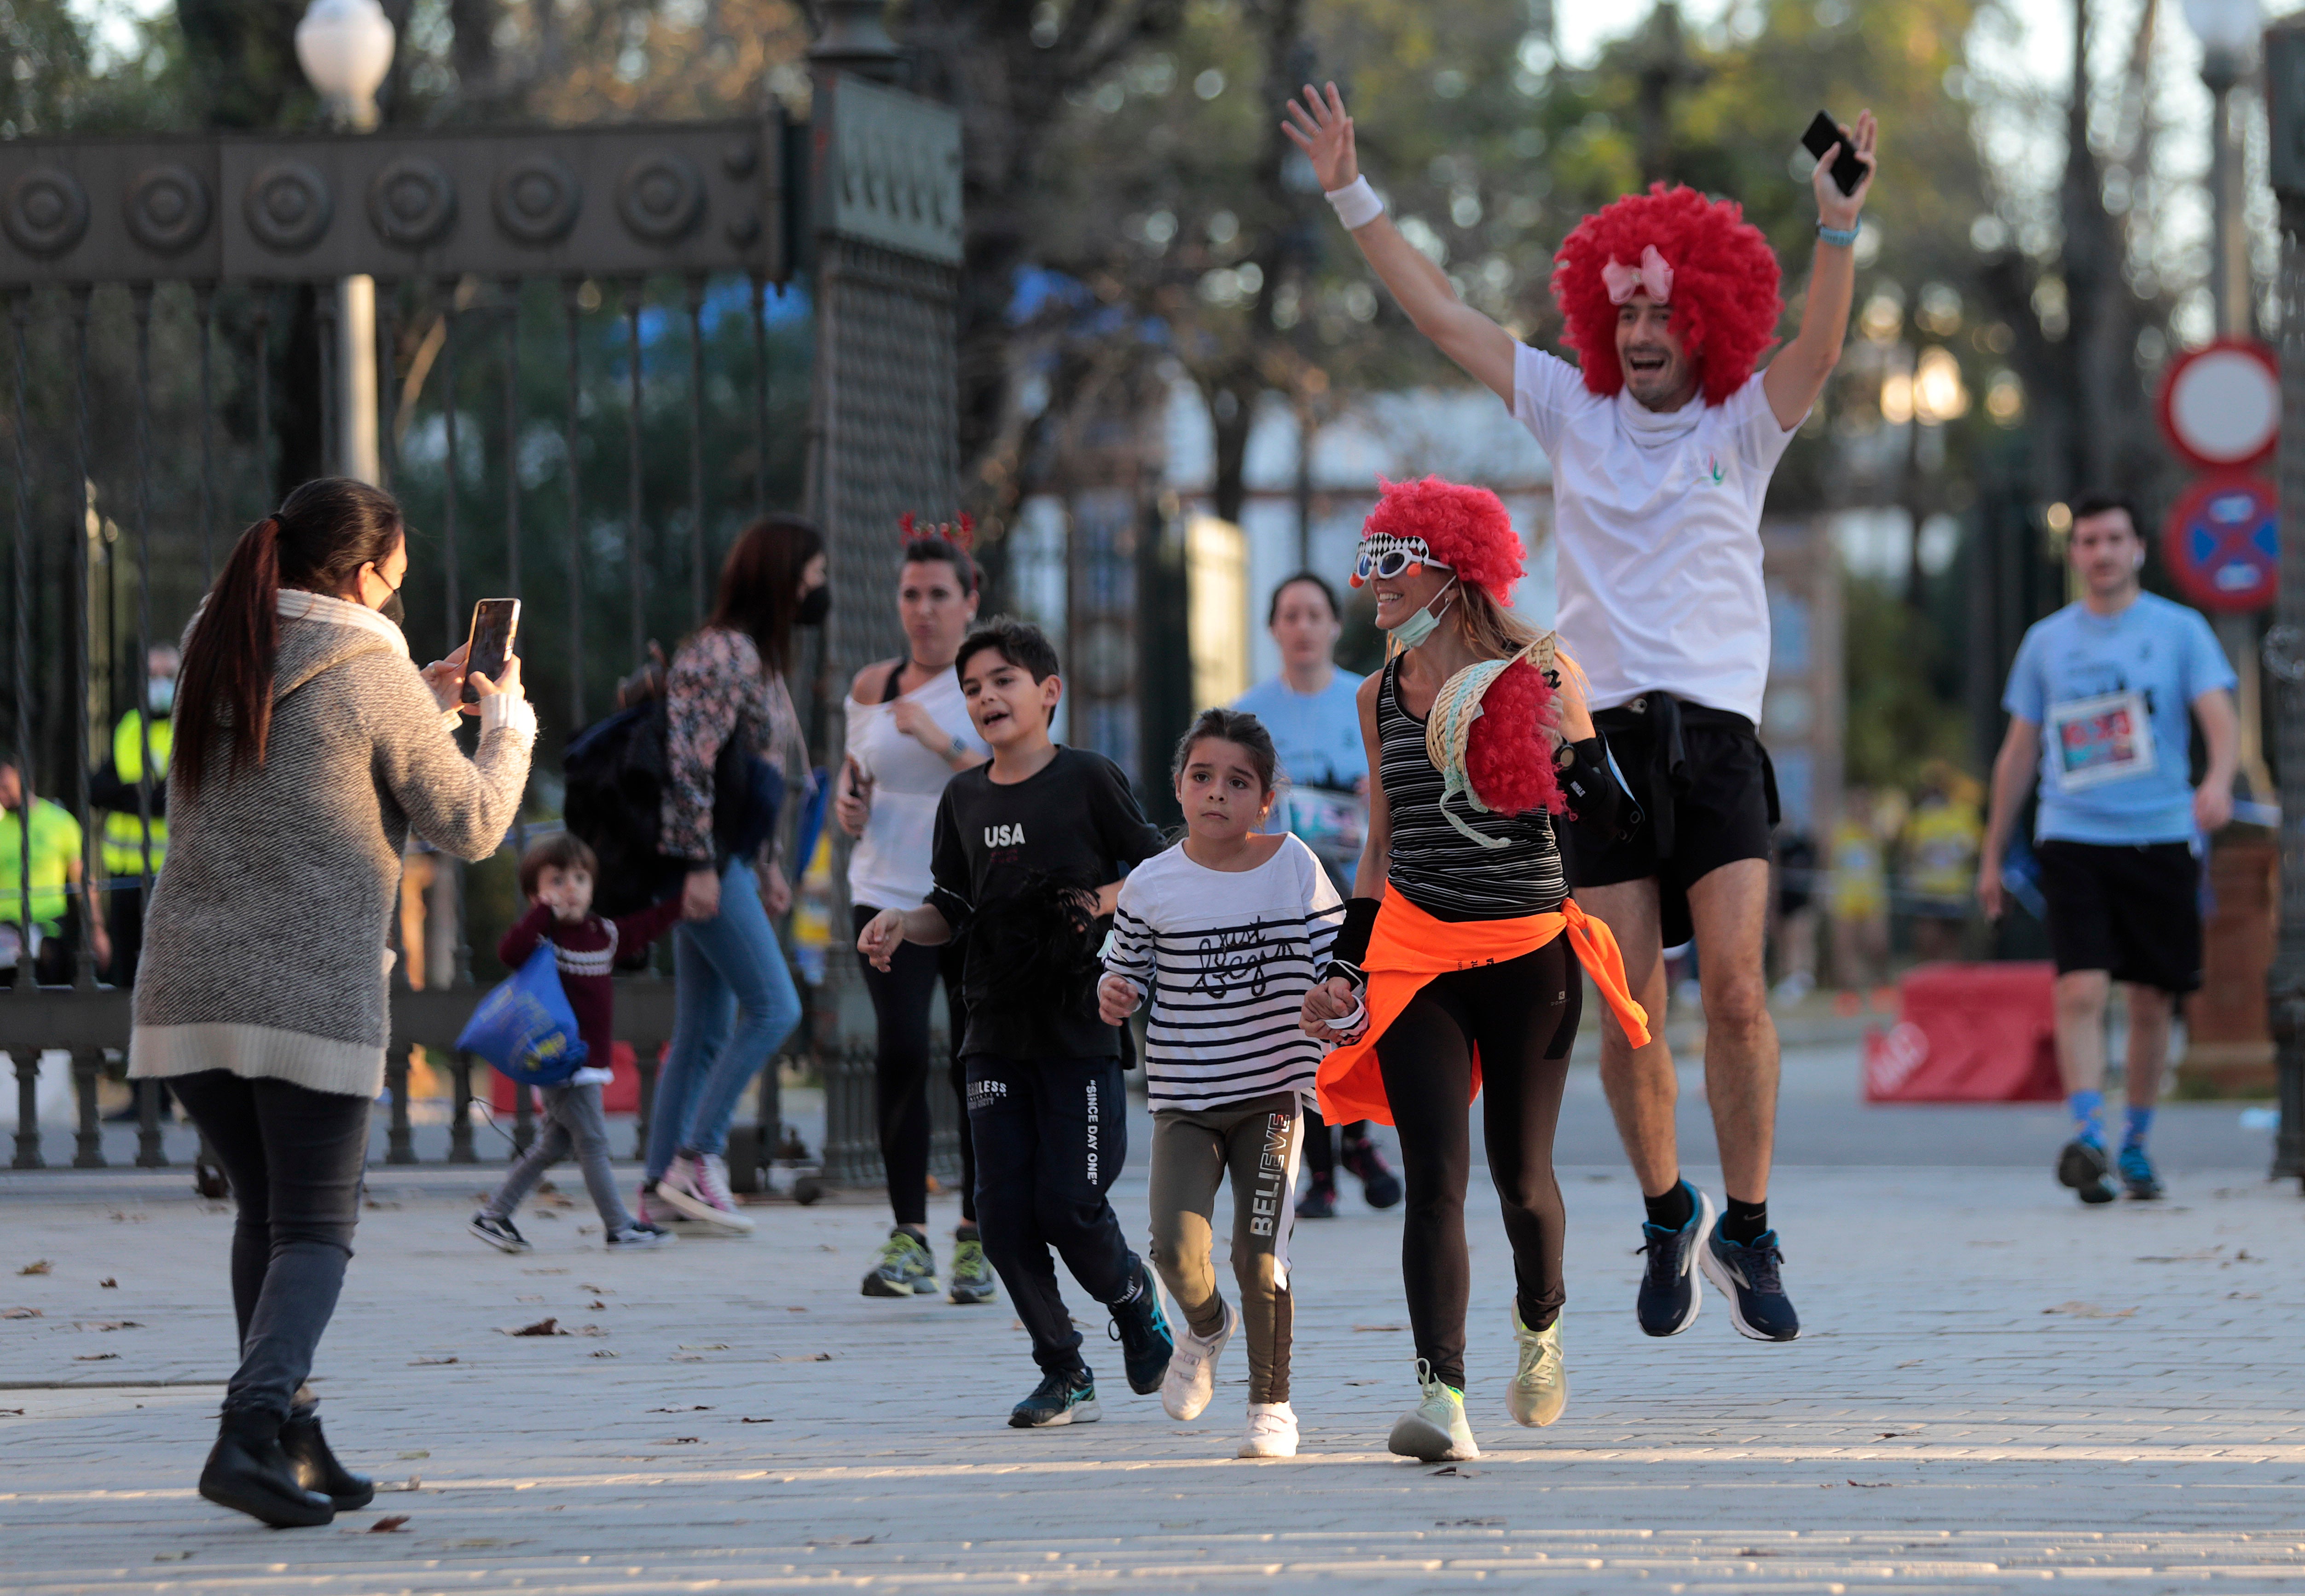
2221,404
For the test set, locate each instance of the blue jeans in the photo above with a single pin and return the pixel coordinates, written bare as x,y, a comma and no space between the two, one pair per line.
728,962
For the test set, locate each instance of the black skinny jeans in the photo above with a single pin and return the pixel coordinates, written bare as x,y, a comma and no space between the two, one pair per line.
1522,1014
295,1158
900,1010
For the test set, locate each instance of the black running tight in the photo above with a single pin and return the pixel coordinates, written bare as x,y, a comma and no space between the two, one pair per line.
900,1004
1522,1015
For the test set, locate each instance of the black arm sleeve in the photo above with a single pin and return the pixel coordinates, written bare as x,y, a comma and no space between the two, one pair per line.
951,890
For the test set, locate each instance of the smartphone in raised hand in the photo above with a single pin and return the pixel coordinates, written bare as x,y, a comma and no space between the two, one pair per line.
495,623
1822,133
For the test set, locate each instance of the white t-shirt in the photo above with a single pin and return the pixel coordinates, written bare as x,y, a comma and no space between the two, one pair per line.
1228,957
1657,528
888,869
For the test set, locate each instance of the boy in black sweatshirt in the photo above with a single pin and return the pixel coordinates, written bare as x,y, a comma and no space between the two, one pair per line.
1027,859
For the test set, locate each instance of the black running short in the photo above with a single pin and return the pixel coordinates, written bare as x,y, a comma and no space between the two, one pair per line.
1706,795
2131,909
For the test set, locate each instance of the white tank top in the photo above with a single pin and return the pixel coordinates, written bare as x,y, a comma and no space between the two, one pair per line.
888,868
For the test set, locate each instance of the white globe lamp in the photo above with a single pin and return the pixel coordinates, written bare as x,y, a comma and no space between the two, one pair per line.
345,49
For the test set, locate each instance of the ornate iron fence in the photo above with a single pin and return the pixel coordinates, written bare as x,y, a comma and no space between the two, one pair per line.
152,388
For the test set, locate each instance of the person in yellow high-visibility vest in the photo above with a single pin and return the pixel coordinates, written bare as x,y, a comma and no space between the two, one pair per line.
113,789
54,880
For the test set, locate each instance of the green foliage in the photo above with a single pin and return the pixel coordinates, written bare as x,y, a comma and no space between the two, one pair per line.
52,80
1899,717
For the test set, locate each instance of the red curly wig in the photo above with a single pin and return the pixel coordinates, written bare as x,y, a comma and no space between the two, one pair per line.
1725,297
1466,528
1508,755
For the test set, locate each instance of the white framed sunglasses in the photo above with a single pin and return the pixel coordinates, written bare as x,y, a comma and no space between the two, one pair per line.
1390,557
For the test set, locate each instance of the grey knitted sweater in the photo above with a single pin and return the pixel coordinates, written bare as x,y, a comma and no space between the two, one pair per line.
264,946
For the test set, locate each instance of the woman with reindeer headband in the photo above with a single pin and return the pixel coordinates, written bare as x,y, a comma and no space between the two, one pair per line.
1663,439
909,734
1454,967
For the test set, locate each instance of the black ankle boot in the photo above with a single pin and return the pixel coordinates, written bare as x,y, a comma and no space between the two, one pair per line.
316,1467
248,1473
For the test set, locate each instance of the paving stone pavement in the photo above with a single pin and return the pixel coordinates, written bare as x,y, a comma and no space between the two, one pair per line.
1997,1390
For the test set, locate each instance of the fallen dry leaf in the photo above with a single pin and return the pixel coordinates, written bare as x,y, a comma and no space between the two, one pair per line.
20,1313
109,1283
419,1362
38,1266
1455,1471
405,1456
1872,1484
740,1420
682,1440
704,1347
605,1353
1364,1328
542,1326
2089,1311
387,1524
95,1357
105,1324
170,1557
695,1408
17,1413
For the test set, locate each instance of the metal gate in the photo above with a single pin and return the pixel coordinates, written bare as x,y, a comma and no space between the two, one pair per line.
153,377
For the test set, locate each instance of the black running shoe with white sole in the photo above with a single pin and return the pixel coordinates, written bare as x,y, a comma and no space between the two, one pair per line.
1380,1186
2082,1164
1320,1198
1747,1276
1146,1343
1669,1296
497,1233
1066,1398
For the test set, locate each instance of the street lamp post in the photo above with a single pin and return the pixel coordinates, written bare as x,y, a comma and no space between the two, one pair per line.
345,49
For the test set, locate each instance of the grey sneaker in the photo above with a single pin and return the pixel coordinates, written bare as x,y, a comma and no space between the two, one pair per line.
906,1267
1540,1385
639,1235
972,1280
1434,1431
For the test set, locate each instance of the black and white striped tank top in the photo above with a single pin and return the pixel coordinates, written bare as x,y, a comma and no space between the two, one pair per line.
1431,863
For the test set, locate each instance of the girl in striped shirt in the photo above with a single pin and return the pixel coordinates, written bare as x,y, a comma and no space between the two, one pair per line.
1224,932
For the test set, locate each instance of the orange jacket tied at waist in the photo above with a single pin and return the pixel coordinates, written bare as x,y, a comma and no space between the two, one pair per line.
1409,948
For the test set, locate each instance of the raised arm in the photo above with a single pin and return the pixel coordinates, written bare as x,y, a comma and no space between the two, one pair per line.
1318,125
1797,375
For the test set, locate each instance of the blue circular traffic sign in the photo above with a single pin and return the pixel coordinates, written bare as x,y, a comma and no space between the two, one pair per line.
2223,543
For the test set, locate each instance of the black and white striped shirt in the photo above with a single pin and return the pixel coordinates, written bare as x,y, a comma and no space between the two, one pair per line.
1227,957
1433,864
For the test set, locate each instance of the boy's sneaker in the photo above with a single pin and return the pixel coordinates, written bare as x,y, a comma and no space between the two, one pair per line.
2137,1175
1669,1296
1143,1331
1748,1277
973,1281
1434,1431
497,1233
1378,1184
1191,1375
905,1268
1067,1399
1271,1430
1540,1384
641,1234
698,1186
2083,1165
1320,1198
653,1209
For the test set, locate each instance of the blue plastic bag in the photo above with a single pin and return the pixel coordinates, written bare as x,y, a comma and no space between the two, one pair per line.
525,1027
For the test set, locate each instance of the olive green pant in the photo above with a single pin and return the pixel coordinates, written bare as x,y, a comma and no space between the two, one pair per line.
1257,1143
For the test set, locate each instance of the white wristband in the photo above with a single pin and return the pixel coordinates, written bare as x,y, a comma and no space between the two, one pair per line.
1355,204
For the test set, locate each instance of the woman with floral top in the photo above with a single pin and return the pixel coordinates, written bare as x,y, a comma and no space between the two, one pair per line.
728,680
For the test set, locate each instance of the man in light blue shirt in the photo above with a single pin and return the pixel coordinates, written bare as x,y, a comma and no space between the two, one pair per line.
1313,711
2100,701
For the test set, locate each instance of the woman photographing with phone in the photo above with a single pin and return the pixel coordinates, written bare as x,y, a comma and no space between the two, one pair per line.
307,748
728,680
909,734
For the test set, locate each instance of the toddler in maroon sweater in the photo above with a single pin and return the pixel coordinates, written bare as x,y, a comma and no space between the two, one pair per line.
556,877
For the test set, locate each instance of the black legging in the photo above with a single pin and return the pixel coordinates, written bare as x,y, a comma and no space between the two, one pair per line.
1321,1146
901,1006
1523,1015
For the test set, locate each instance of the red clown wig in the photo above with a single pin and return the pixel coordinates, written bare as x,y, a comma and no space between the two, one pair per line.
1466,528
1724,285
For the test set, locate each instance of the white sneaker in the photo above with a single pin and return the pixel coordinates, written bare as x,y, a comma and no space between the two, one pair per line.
1434,1431
1540,1383
1271,1430
699,1187
1192,1377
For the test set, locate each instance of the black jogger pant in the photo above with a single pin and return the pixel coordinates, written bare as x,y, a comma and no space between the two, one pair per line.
1522,1014
1321,1145
295,1158
1052,1135
900,1010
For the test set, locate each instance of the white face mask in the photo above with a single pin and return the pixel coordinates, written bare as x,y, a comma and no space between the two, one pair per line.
1421,625
160,693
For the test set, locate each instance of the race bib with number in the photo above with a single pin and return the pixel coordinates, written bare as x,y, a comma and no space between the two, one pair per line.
2094,741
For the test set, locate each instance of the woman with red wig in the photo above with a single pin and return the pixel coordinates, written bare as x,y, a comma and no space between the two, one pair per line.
1454,965
1663,439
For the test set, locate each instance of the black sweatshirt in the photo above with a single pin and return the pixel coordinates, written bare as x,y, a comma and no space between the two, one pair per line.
1003,854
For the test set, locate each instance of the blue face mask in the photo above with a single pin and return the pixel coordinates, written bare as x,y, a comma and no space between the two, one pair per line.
161,694
1421,625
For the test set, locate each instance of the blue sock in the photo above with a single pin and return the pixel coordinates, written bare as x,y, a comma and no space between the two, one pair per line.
2089,1115
2140,1125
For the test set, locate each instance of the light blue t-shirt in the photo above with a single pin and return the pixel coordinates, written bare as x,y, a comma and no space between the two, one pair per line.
2111,695
1318,734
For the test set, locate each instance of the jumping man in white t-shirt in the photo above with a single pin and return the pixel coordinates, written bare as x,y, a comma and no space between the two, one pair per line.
1662,449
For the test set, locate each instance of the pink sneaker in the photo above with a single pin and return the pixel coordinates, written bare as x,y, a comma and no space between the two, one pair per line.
653,1209
698,1187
